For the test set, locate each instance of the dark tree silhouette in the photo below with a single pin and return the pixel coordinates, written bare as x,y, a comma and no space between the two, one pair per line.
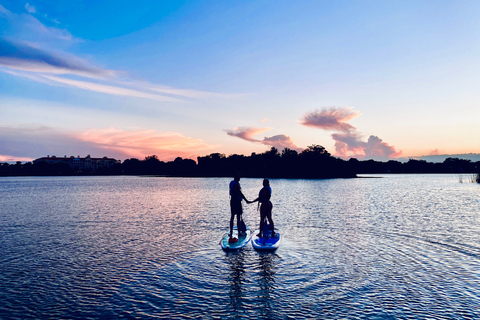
315,162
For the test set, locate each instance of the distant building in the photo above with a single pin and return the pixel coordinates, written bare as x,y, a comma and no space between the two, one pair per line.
78,163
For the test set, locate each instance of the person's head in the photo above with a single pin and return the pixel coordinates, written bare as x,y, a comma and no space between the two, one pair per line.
237,176
266,182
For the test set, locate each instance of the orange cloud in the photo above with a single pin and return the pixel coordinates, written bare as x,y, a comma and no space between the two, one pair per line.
142,143
34,142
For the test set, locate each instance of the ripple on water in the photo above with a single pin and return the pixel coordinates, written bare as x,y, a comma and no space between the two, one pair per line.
130,247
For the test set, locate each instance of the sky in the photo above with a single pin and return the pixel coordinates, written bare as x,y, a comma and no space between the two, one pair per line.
382,80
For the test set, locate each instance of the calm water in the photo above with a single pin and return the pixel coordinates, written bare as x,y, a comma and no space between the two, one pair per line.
401,246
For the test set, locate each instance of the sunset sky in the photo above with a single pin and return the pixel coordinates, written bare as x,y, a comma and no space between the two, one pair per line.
367,79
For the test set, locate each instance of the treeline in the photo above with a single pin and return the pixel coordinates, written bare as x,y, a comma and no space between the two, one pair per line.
312,163
450,165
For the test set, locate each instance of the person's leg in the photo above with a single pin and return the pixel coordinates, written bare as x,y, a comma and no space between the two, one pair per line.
269,217
239,218
236,209
262,220
231,224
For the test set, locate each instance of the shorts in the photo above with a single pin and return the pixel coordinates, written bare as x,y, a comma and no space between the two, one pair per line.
236,207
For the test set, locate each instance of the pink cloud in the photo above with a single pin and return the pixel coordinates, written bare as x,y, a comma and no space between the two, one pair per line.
331,119
350,145
142,143
376,148
348,141
280,141
246,133
7,158
35,142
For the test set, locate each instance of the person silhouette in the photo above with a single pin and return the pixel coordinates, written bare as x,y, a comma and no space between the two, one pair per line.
236,197
265,206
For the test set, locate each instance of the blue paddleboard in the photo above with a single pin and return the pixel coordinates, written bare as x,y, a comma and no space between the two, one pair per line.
266,241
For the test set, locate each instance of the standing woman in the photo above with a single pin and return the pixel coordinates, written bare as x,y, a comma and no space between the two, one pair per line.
265,206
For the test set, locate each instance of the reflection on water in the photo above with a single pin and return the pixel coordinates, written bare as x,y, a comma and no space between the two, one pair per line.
236,279
402,246
266,284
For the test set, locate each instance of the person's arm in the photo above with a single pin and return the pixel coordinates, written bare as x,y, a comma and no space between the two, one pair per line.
239,190
243,197
262,192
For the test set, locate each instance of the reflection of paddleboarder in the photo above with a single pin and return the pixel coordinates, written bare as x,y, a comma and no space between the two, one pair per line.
236,281
236,197
265,206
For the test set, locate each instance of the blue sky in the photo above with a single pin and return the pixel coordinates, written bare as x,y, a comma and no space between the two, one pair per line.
366,79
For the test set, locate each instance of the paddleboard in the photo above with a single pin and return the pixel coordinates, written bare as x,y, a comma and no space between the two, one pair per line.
243,239
266,241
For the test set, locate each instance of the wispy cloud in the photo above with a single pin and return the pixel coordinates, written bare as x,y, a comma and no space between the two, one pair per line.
141,143
190,93
9,158
112,90
30,8
26,27
26,57
248,133
348,141
32,56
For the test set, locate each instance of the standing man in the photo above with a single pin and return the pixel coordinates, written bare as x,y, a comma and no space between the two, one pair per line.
236,197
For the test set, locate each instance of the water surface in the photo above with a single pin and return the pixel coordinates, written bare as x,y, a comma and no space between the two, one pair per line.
399,246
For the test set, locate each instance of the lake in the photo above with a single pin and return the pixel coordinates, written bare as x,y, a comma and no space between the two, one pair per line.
124,247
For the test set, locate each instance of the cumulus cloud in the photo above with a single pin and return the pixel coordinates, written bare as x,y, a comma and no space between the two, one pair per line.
348,141
348,144
351,145
281,142
248,133
34,142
